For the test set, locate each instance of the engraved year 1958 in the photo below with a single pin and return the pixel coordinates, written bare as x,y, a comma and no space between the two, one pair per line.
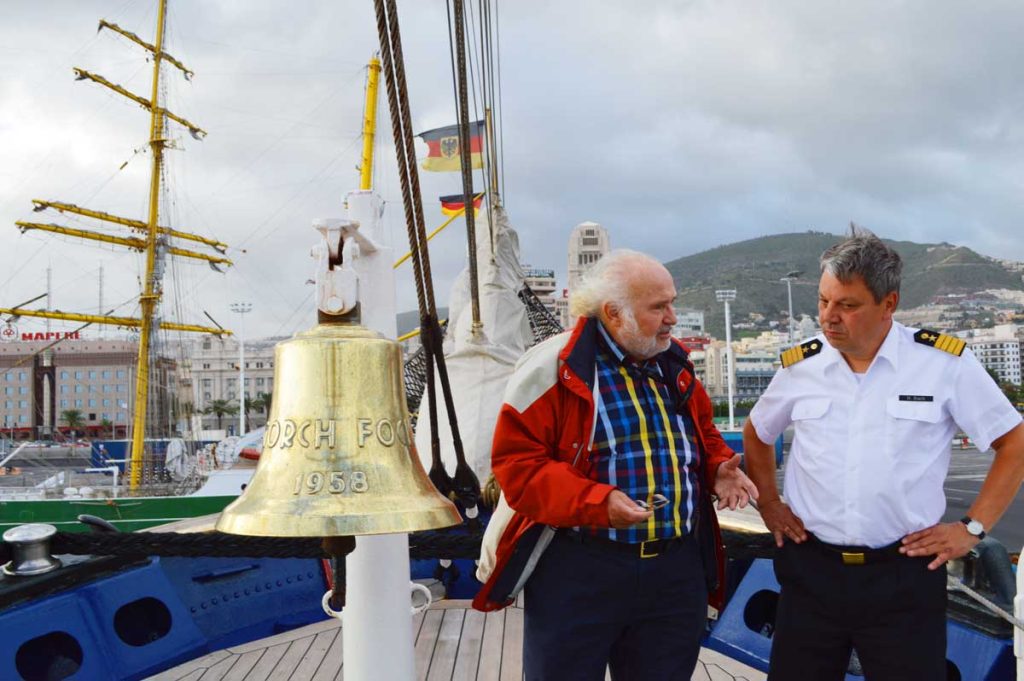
333,482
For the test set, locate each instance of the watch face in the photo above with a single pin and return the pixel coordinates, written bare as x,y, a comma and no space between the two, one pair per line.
975,528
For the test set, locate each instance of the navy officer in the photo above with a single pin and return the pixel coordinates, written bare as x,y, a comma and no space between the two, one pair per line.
874,405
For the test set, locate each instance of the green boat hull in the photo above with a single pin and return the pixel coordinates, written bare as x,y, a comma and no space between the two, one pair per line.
127,514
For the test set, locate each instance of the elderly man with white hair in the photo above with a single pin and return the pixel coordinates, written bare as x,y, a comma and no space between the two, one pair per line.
606,453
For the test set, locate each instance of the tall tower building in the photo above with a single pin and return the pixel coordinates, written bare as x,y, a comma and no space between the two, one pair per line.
587,244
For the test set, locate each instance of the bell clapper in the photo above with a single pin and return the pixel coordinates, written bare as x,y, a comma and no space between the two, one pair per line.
338,548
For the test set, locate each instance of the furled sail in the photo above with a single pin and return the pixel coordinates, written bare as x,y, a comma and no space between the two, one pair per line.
479,367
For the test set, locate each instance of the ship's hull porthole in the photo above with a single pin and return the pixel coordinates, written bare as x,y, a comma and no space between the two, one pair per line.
759,613
50,657
141,622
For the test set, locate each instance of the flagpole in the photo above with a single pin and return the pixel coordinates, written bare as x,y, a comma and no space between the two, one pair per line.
492,156
438,230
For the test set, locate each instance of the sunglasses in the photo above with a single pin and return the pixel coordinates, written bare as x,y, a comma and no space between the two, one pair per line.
657,501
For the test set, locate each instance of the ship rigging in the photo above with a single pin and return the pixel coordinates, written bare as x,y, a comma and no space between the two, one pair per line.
154,240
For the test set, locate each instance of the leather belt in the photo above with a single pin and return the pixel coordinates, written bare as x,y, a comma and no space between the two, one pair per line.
645,549
856,555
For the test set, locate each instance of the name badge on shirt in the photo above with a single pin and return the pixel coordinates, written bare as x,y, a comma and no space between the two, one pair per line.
916,398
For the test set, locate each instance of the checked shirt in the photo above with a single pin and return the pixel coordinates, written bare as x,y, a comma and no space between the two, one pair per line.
641,445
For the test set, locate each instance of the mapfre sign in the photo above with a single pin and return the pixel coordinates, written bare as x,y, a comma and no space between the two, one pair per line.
50,335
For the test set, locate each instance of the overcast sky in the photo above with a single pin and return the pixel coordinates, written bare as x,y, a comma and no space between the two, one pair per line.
679,126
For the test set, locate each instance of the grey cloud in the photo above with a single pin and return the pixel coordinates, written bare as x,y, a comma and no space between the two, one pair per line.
678,125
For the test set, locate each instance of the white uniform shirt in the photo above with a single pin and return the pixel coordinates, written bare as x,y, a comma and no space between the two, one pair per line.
869,456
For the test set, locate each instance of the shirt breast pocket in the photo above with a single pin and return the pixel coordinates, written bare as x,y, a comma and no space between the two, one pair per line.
908,425
810,409
809,420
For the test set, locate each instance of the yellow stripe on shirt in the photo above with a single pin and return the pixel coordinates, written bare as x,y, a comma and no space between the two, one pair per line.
644,440
677,523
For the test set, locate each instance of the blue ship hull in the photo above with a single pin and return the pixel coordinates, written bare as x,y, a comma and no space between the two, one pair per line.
119,619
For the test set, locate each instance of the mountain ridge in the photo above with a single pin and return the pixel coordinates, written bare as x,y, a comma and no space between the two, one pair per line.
754,268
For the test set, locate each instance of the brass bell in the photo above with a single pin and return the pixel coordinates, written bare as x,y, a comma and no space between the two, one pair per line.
338,454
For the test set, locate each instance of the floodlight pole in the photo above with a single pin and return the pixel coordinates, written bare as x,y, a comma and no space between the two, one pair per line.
241,309
724,296
789,279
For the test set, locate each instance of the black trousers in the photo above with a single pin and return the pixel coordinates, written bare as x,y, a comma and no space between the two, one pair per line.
589,607
892,612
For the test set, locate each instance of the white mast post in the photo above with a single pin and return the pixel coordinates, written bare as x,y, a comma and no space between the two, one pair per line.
377,632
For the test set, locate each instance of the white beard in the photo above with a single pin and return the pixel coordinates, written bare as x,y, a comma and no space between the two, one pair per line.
637,345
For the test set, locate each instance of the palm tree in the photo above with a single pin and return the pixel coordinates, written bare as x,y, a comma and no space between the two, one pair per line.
260,404
107,428
220,409
74,418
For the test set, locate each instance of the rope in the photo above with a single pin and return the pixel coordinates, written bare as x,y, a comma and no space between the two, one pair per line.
466,162
451,543
467,486
543,324
462,541
956,585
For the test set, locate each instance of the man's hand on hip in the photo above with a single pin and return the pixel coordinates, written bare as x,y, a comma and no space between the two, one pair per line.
732,486
782,522
623,512
945,541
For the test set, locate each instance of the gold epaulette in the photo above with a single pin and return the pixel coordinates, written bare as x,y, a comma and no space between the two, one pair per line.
940,341
800,352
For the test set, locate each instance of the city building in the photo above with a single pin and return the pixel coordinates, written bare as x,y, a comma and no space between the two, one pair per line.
562,308
40,381
688,322
542,283
998,349
752,370
930,316
213,372
588,243
694,343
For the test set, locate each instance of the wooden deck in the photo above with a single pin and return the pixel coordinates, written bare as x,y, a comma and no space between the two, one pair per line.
453,642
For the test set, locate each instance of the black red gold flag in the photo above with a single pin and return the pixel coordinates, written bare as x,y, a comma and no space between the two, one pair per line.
443,147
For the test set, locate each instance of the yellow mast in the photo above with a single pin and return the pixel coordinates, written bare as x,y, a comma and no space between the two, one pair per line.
137,225
152,288
369,123
127,241
154,244
126,322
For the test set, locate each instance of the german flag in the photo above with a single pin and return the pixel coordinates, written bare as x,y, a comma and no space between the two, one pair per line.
443,145
453,205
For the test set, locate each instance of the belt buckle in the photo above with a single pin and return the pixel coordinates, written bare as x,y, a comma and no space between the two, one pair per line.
853,558
643,549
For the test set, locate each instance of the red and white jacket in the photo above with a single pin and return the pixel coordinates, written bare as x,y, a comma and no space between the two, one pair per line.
540,457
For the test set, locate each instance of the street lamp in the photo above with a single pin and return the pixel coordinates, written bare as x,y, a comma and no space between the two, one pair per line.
241,309
724,296
789,279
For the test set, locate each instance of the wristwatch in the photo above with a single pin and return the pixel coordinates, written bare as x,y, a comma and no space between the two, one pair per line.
973,526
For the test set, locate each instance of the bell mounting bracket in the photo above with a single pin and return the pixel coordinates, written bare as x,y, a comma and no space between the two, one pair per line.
336,277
